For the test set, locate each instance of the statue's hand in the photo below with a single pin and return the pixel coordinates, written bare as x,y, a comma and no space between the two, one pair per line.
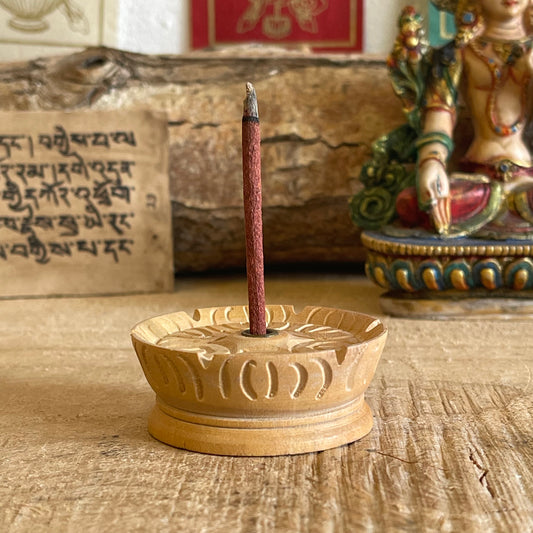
434,193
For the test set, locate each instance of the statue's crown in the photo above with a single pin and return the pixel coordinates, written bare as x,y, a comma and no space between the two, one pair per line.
445,5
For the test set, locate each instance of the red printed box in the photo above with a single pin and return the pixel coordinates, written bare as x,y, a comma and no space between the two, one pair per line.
326,25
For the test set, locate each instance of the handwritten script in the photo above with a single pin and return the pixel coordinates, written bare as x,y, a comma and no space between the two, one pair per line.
84,205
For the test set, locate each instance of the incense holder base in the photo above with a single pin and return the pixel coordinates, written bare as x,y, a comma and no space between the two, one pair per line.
220,392
451,278
229,436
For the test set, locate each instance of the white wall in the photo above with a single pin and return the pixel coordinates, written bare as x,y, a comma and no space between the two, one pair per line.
154,26
381,22
157,27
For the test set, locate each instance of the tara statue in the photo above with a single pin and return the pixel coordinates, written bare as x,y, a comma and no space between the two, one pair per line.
488,66
456,181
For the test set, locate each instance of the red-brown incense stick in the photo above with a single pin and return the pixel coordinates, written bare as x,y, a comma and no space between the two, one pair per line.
251,165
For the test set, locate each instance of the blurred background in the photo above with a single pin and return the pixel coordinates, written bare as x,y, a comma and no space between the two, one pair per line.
36,28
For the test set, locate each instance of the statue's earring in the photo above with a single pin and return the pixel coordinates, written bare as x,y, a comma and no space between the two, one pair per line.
470,16
468,23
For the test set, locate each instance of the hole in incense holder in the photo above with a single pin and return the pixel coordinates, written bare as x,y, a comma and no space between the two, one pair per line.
269,333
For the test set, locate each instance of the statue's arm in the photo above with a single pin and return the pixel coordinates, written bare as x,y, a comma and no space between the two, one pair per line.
435,144
433,182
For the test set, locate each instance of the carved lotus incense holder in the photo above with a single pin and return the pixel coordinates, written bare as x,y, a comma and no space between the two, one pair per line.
259,380
219,391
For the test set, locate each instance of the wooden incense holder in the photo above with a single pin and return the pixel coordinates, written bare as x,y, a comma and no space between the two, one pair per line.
259,380
221,392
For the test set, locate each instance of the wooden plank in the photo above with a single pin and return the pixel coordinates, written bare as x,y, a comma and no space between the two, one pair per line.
320,115
450,450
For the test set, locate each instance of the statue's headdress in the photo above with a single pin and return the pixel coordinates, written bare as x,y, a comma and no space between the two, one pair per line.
468,18
445,5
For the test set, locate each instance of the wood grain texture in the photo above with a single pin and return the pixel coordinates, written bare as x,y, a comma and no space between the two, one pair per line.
451,448
319,114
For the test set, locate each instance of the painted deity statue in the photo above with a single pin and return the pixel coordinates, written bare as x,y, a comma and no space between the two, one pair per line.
416,178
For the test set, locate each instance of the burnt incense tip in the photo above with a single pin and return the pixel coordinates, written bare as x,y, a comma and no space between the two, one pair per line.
250,103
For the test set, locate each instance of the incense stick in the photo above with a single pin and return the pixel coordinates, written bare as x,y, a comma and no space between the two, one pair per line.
251,164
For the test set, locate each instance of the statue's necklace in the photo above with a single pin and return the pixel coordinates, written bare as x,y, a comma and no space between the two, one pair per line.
509,52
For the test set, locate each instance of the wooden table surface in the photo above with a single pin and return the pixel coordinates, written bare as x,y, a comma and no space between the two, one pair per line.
451,448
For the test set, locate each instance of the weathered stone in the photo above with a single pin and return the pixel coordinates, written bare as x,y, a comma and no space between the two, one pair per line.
319,115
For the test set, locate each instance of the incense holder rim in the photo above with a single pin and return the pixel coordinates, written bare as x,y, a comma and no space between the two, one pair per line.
204,316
